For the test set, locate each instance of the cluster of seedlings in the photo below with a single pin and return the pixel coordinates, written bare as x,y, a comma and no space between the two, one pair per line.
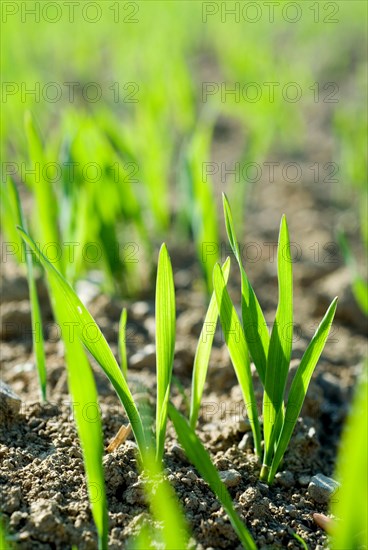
247,338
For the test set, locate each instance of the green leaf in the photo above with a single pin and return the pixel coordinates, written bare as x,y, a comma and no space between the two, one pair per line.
81,323
351,530
85,407
122,342
279,352
254,324
37,332
237,346
46,204
203,352
230,230
300,540
299,386
164,505
360,291
165,342
13,244
199,457
201,204
145,539
88,421
359,285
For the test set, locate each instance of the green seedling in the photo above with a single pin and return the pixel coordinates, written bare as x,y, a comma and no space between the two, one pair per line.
271,355
164,505
16,210
358,285
350,506
87,331
300,540
238,349
45,199
165,343
199,201
82,388
254,323
203,352
199,457
70,311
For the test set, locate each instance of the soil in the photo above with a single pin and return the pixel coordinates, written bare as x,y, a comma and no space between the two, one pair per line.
43,491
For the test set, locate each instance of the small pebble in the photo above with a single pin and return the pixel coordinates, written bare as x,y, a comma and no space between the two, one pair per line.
311,433
135,493
303,480
285,479
191,475
291,510
9,402
231,478
186,481
249,496
178,452
246,442
321,488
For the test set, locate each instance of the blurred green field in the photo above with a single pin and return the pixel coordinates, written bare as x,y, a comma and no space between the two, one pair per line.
124,98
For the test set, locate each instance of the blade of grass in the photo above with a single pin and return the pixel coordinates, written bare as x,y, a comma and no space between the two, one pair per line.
84,397
351,530
358,285
165,343
360,291
43,191
279,352
89,333
144,540
5,542
237,346
203,352
37,332
200,458
300,385
254,324
202,210
122,342
300,540
13,246
164,505
83,391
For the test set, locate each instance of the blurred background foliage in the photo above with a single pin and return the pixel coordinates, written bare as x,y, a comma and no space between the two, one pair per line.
161,71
